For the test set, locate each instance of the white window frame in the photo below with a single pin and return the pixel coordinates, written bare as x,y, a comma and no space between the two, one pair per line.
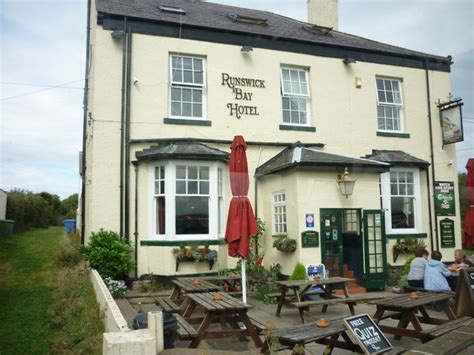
178,84
279,227
306,97
387,204
170,195
398,106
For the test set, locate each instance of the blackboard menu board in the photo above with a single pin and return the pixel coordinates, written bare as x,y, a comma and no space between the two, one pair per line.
310,239
446,227
465,293
367,334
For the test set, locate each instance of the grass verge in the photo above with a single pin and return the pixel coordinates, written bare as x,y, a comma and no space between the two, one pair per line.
35,286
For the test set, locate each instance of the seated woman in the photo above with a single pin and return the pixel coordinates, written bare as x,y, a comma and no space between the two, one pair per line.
417,268
436,273
460,261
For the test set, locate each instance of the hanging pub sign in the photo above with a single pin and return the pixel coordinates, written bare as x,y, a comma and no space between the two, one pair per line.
451,121
446,227
367,334
444,198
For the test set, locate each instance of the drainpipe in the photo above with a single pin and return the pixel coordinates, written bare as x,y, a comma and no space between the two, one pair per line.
122,121
135,164
127,135
84,127
433,176
256,207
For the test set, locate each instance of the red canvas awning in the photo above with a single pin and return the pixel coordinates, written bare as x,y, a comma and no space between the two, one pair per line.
241,222
468,223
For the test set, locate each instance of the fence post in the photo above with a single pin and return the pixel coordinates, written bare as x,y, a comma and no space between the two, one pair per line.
155,326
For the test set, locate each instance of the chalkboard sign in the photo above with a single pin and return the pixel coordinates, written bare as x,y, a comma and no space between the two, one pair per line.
465,293
446,227
367,334
310,239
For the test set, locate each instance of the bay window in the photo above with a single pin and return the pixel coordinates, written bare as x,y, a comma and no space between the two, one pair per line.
194,198
279,213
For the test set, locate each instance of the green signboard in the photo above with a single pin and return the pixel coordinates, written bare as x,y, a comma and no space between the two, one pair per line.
444,198
446,227
310,239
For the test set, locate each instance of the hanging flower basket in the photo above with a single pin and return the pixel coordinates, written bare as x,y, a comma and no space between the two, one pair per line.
407,246
284,244
195,254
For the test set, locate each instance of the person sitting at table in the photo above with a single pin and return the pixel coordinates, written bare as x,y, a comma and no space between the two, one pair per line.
417,268
436,273
460,261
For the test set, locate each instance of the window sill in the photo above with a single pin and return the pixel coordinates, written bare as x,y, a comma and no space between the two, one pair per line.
178,243
407,236
182,121
393,134
285,127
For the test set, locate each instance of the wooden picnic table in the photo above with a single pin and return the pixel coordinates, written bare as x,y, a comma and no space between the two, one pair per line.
406,309
299,289
228,309
232,283
186,286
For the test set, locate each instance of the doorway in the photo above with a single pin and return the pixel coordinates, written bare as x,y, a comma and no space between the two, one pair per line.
352,250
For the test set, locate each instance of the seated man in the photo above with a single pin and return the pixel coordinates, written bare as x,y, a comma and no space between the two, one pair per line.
417,268
436,273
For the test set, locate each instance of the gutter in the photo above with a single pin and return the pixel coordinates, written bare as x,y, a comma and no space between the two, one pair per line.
84,127
433,176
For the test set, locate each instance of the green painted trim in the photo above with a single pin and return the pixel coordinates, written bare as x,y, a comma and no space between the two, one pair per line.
407,236
181,121
285,127
394,135
178,243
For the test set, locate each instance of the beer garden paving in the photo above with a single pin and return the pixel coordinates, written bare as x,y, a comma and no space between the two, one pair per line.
265,313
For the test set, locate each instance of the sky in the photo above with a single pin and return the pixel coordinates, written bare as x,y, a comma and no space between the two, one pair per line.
42,56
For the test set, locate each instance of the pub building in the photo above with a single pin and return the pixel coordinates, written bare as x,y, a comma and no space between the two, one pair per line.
348,139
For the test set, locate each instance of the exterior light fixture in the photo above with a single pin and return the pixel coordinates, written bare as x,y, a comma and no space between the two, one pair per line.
246,49
348,60
117,34
346,183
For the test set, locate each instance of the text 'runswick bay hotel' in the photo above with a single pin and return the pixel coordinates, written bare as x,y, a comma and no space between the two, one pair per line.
171,82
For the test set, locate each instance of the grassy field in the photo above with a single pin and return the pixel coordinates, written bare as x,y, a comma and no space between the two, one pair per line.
35,289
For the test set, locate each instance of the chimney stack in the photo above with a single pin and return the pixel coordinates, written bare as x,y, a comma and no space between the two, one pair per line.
323,13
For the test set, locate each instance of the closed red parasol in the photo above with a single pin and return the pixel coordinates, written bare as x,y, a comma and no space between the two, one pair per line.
468,223
241,222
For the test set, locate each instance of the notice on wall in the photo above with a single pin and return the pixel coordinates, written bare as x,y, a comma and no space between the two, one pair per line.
367,334
446,228
309,219
444,198
310,239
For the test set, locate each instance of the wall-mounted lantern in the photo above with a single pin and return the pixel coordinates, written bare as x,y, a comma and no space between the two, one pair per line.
346,183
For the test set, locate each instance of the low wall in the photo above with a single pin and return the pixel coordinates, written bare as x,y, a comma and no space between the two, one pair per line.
114,320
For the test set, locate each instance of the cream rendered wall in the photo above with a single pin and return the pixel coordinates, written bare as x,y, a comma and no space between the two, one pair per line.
344,116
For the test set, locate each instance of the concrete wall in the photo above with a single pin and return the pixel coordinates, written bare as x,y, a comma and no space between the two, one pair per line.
345,117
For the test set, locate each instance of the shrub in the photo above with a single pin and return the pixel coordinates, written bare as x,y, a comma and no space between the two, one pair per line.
406,266
299,272
109,254
116,288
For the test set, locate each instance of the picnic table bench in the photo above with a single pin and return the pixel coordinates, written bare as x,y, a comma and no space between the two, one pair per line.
406,309
168,305
186,286
334,336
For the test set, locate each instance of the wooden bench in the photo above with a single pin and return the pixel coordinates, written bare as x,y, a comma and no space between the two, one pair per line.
185,330
350,301
167,305
261,326
447,327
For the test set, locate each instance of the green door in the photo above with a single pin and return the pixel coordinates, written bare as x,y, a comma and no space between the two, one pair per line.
375,249
331,241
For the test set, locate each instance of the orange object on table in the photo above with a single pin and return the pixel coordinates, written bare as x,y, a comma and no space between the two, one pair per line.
217,297
414,295
196,282
323,323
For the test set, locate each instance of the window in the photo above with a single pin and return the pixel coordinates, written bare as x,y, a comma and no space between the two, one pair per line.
351,221
194,196
389,105
187,87
295,96
401,199
279,213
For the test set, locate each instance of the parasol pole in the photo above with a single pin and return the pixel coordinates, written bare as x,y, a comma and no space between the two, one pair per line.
244,280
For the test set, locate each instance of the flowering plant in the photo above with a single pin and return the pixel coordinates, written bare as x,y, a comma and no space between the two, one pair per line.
116,287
